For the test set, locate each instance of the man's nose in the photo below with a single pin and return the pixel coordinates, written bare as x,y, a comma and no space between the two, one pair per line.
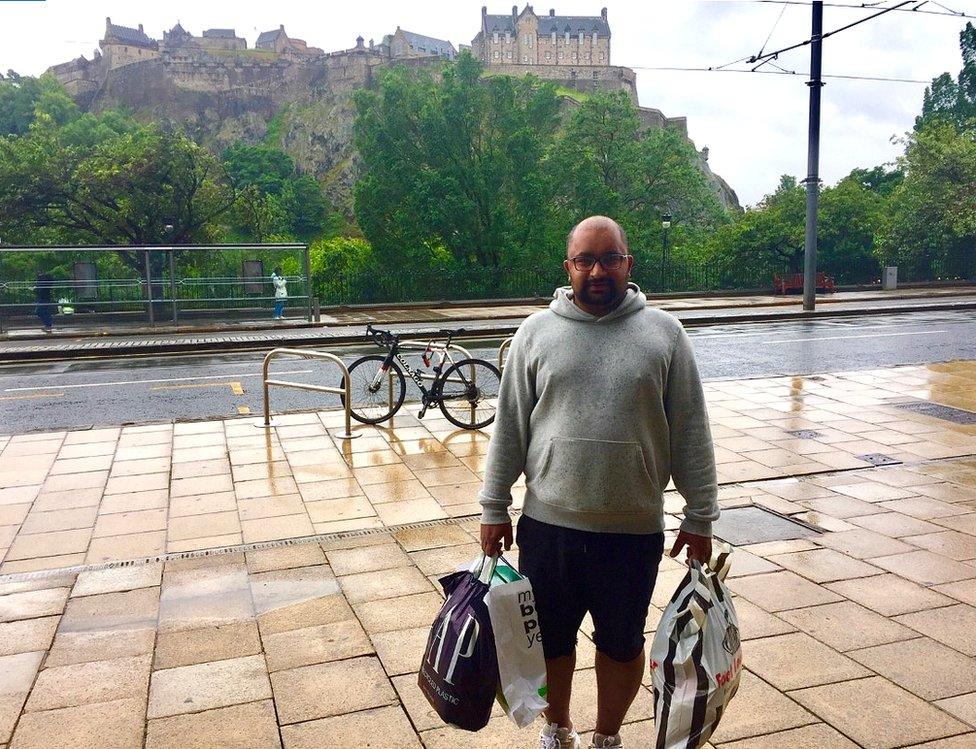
597,270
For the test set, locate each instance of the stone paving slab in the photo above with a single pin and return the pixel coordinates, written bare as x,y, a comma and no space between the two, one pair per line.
857,636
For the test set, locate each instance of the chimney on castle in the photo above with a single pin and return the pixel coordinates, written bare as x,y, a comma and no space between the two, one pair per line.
552,12
140,29
359,42
603,13
370,43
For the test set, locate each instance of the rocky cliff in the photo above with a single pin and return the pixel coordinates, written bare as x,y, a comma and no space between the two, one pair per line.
305,106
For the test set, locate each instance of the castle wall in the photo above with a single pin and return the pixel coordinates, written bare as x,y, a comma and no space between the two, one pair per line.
118,55
583,78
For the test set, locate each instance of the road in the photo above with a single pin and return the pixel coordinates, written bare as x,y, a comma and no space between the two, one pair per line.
79,393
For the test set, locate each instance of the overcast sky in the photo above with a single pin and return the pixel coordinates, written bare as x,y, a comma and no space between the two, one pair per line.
754,125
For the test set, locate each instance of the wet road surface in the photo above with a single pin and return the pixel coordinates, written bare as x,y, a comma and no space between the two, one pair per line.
76,394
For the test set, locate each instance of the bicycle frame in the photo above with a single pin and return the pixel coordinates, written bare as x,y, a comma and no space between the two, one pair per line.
416,374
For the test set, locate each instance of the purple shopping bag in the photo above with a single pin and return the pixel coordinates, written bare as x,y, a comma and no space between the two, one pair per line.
459,672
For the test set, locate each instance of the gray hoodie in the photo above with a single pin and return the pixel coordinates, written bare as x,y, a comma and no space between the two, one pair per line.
599,413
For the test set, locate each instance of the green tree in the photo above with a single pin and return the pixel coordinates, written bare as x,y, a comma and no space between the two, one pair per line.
605,162
24,98
953,100
453,169
274,199
930,227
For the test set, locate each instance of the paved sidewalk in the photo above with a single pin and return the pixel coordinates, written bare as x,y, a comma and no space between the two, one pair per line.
489,320
858,620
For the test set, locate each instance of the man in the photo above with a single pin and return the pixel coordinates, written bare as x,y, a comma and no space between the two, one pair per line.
600,404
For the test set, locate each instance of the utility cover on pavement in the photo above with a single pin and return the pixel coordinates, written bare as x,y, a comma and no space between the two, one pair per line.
755,525
878,459
938,411
805,434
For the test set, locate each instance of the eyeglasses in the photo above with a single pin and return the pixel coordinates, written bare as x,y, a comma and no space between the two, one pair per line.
610,261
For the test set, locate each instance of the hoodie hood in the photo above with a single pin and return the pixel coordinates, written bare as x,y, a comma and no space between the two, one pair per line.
563,305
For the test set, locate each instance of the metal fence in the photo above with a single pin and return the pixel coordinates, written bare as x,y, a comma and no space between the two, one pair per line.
91,285
380,285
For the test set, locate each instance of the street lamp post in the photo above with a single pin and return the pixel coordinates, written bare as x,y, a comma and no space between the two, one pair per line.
665,224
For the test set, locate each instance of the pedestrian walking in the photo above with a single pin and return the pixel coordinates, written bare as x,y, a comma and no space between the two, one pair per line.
600,405
44,301
280,284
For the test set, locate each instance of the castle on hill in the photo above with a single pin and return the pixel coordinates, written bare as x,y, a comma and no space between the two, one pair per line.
229,90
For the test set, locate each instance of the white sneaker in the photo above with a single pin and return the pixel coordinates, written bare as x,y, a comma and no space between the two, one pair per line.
605,742
554,737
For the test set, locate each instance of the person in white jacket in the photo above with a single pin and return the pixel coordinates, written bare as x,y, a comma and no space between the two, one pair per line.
280,284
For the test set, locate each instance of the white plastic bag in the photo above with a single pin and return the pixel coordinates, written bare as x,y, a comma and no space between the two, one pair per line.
518,641
696,657
518,646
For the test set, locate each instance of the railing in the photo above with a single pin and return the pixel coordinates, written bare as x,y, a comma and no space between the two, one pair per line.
204,279
344,391
502,348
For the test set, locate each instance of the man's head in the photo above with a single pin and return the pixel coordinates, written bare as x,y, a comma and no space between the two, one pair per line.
277,271
598,262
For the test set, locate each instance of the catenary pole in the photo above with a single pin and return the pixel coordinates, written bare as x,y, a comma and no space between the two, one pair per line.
813,161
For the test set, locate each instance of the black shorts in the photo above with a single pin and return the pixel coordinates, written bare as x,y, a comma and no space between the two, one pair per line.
611,575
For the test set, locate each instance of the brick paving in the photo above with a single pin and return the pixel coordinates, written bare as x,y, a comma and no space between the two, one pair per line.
860,633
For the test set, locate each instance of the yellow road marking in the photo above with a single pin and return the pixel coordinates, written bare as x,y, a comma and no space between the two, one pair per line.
243,410
31,395
236,389
192,385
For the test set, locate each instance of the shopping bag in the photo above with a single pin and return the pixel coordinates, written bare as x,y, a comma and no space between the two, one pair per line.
696,657
518,645
459,670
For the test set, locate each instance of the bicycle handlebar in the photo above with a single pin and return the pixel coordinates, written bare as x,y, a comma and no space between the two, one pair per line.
386,338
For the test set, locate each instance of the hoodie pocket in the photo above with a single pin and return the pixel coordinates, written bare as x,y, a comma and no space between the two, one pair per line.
595,476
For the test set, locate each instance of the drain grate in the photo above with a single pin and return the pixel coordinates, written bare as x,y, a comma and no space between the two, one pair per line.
805,434
754,525
237,548
878,459
938,411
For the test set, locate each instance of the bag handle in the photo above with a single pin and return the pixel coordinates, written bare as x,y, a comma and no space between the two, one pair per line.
492,562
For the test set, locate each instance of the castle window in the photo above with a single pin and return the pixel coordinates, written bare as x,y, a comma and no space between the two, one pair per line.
548,55
553,38
525,58
494,37
508,38
528,40
601,57
496,54
567,37
581,37
594,38
574,57
560,55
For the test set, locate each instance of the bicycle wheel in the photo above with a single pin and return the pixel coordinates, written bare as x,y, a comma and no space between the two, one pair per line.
468,393
371,399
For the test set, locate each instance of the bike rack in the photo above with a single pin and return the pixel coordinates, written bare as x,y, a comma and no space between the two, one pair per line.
344,390
501,352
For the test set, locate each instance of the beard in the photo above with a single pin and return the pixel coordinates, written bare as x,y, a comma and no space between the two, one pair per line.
607,297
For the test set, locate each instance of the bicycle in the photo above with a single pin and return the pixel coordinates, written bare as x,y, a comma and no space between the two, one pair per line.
466,392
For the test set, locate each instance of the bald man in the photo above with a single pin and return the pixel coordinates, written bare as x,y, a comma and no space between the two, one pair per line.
600,405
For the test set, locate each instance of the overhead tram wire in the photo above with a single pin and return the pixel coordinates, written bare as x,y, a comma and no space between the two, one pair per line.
763,58
875,6
781,71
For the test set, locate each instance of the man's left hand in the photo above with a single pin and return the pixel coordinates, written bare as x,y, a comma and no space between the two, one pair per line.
699,547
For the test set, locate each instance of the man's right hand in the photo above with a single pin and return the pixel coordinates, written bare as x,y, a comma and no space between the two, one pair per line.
494,536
